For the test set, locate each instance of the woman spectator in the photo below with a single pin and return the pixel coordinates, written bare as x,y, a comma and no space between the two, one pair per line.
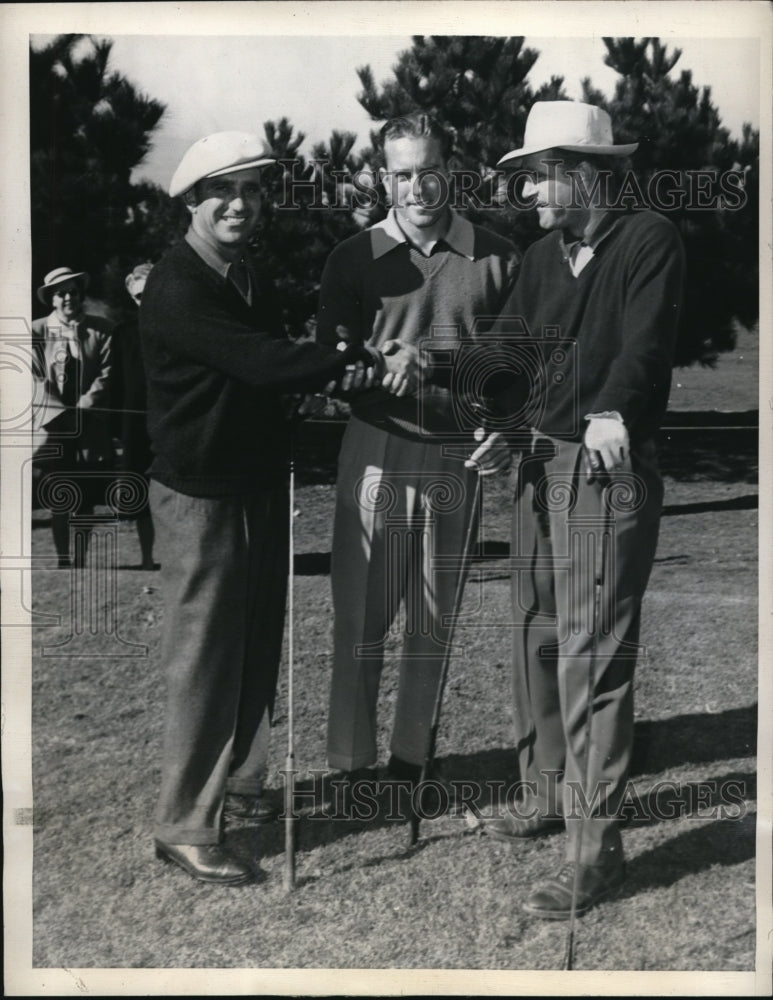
71,421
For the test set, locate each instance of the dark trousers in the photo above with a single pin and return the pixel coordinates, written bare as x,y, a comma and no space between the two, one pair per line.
224,574
557,543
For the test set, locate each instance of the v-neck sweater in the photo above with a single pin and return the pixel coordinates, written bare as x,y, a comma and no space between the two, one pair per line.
604,339
400,293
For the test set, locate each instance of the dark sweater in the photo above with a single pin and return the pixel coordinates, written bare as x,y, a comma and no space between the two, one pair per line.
216,371
604,340
400,294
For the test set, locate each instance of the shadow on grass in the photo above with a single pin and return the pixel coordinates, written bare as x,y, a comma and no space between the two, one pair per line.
723,842
725,798
488,551
748,502
719,447
318,563
695,738
488,777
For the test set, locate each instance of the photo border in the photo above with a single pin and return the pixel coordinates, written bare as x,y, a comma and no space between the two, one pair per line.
567,18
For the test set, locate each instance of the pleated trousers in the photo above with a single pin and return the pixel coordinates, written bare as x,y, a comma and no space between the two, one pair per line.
582,554
402,511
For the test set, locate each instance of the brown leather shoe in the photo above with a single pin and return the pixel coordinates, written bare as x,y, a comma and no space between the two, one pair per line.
511,827
258,808
206,862
552,900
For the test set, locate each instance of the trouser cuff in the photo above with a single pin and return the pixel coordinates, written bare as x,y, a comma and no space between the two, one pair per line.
341,763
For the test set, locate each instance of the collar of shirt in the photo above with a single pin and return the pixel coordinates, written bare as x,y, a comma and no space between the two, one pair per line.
67,331
209,255
580,252
387,234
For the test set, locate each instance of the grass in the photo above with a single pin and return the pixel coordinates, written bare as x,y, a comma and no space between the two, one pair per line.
730,386
364,900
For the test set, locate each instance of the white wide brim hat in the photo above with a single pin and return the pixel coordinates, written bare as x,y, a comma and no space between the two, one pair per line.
220,153
570,125
57,277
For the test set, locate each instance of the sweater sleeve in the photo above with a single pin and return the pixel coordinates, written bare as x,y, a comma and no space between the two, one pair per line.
340,303
653,296
185,314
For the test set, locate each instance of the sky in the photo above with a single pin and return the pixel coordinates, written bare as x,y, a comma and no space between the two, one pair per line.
211,84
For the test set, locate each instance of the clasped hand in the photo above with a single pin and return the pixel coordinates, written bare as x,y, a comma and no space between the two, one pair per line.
492,455
400,371
606,446
403,368
400,374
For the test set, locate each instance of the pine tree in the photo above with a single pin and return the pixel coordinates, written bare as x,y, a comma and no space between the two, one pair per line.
478,86
306,212
89,128
678,128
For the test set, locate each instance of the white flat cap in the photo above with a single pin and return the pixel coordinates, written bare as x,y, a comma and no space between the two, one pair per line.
220,153
572,125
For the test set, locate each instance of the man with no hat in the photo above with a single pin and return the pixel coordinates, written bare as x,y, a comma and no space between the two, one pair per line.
594,318
404,493
218,366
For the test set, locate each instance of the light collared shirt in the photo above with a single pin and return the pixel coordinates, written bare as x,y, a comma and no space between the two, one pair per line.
220,264
387,234
579,253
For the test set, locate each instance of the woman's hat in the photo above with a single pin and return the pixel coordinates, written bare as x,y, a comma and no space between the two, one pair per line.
571,125
57,277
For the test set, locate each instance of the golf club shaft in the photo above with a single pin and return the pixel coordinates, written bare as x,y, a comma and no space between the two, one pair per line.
598,588
429,754
289,871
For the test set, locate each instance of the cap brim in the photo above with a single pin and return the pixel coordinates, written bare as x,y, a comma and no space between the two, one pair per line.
176,187
266,161
624,149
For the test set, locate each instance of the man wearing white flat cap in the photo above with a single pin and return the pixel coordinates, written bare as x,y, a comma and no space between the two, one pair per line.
218,364
598,300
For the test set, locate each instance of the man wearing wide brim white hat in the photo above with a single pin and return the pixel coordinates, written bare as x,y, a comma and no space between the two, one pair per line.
571,126
218,363
597,303
71,367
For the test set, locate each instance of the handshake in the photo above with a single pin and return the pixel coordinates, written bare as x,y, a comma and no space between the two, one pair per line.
396,367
